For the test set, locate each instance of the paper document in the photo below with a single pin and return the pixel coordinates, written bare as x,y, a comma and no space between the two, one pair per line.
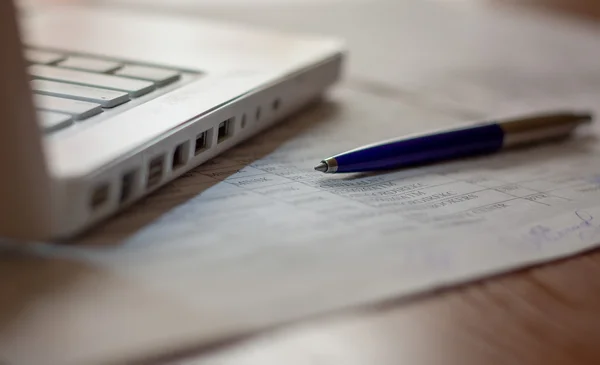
264,197
257,238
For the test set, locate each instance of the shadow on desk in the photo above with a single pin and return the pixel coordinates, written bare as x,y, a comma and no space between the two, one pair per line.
57,308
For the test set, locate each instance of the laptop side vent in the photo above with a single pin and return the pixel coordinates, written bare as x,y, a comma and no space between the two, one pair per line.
177,157
99,196
128,186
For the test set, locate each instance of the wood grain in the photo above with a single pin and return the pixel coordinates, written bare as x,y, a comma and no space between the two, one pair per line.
547,315
589,9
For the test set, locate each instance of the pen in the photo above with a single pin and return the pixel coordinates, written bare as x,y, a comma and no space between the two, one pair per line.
477,139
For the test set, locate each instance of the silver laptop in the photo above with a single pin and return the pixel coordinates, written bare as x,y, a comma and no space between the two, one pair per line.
102,106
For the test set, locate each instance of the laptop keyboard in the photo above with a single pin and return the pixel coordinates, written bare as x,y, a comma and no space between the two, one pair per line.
70,89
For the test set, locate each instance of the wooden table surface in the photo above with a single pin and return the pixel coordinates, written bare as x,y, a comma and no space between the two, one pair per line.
544,315
589,9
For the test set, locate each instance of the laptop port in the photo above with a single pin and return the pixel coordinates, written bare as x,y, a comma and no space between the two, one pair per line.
202,142
257,114
225,130
276,104
180,155
127,186
99,196
155,171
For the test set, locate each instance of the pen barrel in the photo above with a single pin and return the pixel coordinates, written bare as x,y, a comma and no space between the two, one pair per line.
457,143
423,149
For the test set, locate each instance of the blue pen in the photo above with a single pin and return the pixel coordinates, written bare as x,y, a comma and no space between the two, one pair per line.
483,138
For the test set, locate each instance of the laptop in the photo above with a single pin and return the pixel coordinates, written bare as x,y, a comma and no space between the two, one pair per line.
102,106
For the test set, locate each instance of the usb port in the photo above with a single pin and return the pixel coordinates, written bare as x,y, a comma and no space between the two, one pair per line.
243,123
127,185
257,114
155,171
99,196
202,141
225,129
180,155
276,104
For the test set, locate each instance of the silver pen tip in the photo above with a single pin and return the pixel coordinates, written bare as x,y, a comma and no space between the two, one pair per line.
322,167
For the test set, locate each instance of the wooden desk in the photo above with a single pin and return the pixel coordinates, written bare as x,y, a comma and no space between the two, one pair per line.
545,315
579,8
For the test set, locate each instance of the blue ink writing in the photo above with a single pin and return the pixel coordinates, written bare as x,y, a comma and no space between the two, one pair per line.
584,230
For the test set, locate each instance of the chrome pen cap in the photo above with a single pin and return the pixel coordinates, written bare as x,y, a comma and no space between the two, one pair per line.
541,127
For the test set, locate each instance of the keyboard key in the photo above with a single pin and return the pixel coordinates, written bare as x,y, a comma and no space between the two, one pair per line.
51,121
35,56
89,64
133,87
106,98
77,109
159,76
